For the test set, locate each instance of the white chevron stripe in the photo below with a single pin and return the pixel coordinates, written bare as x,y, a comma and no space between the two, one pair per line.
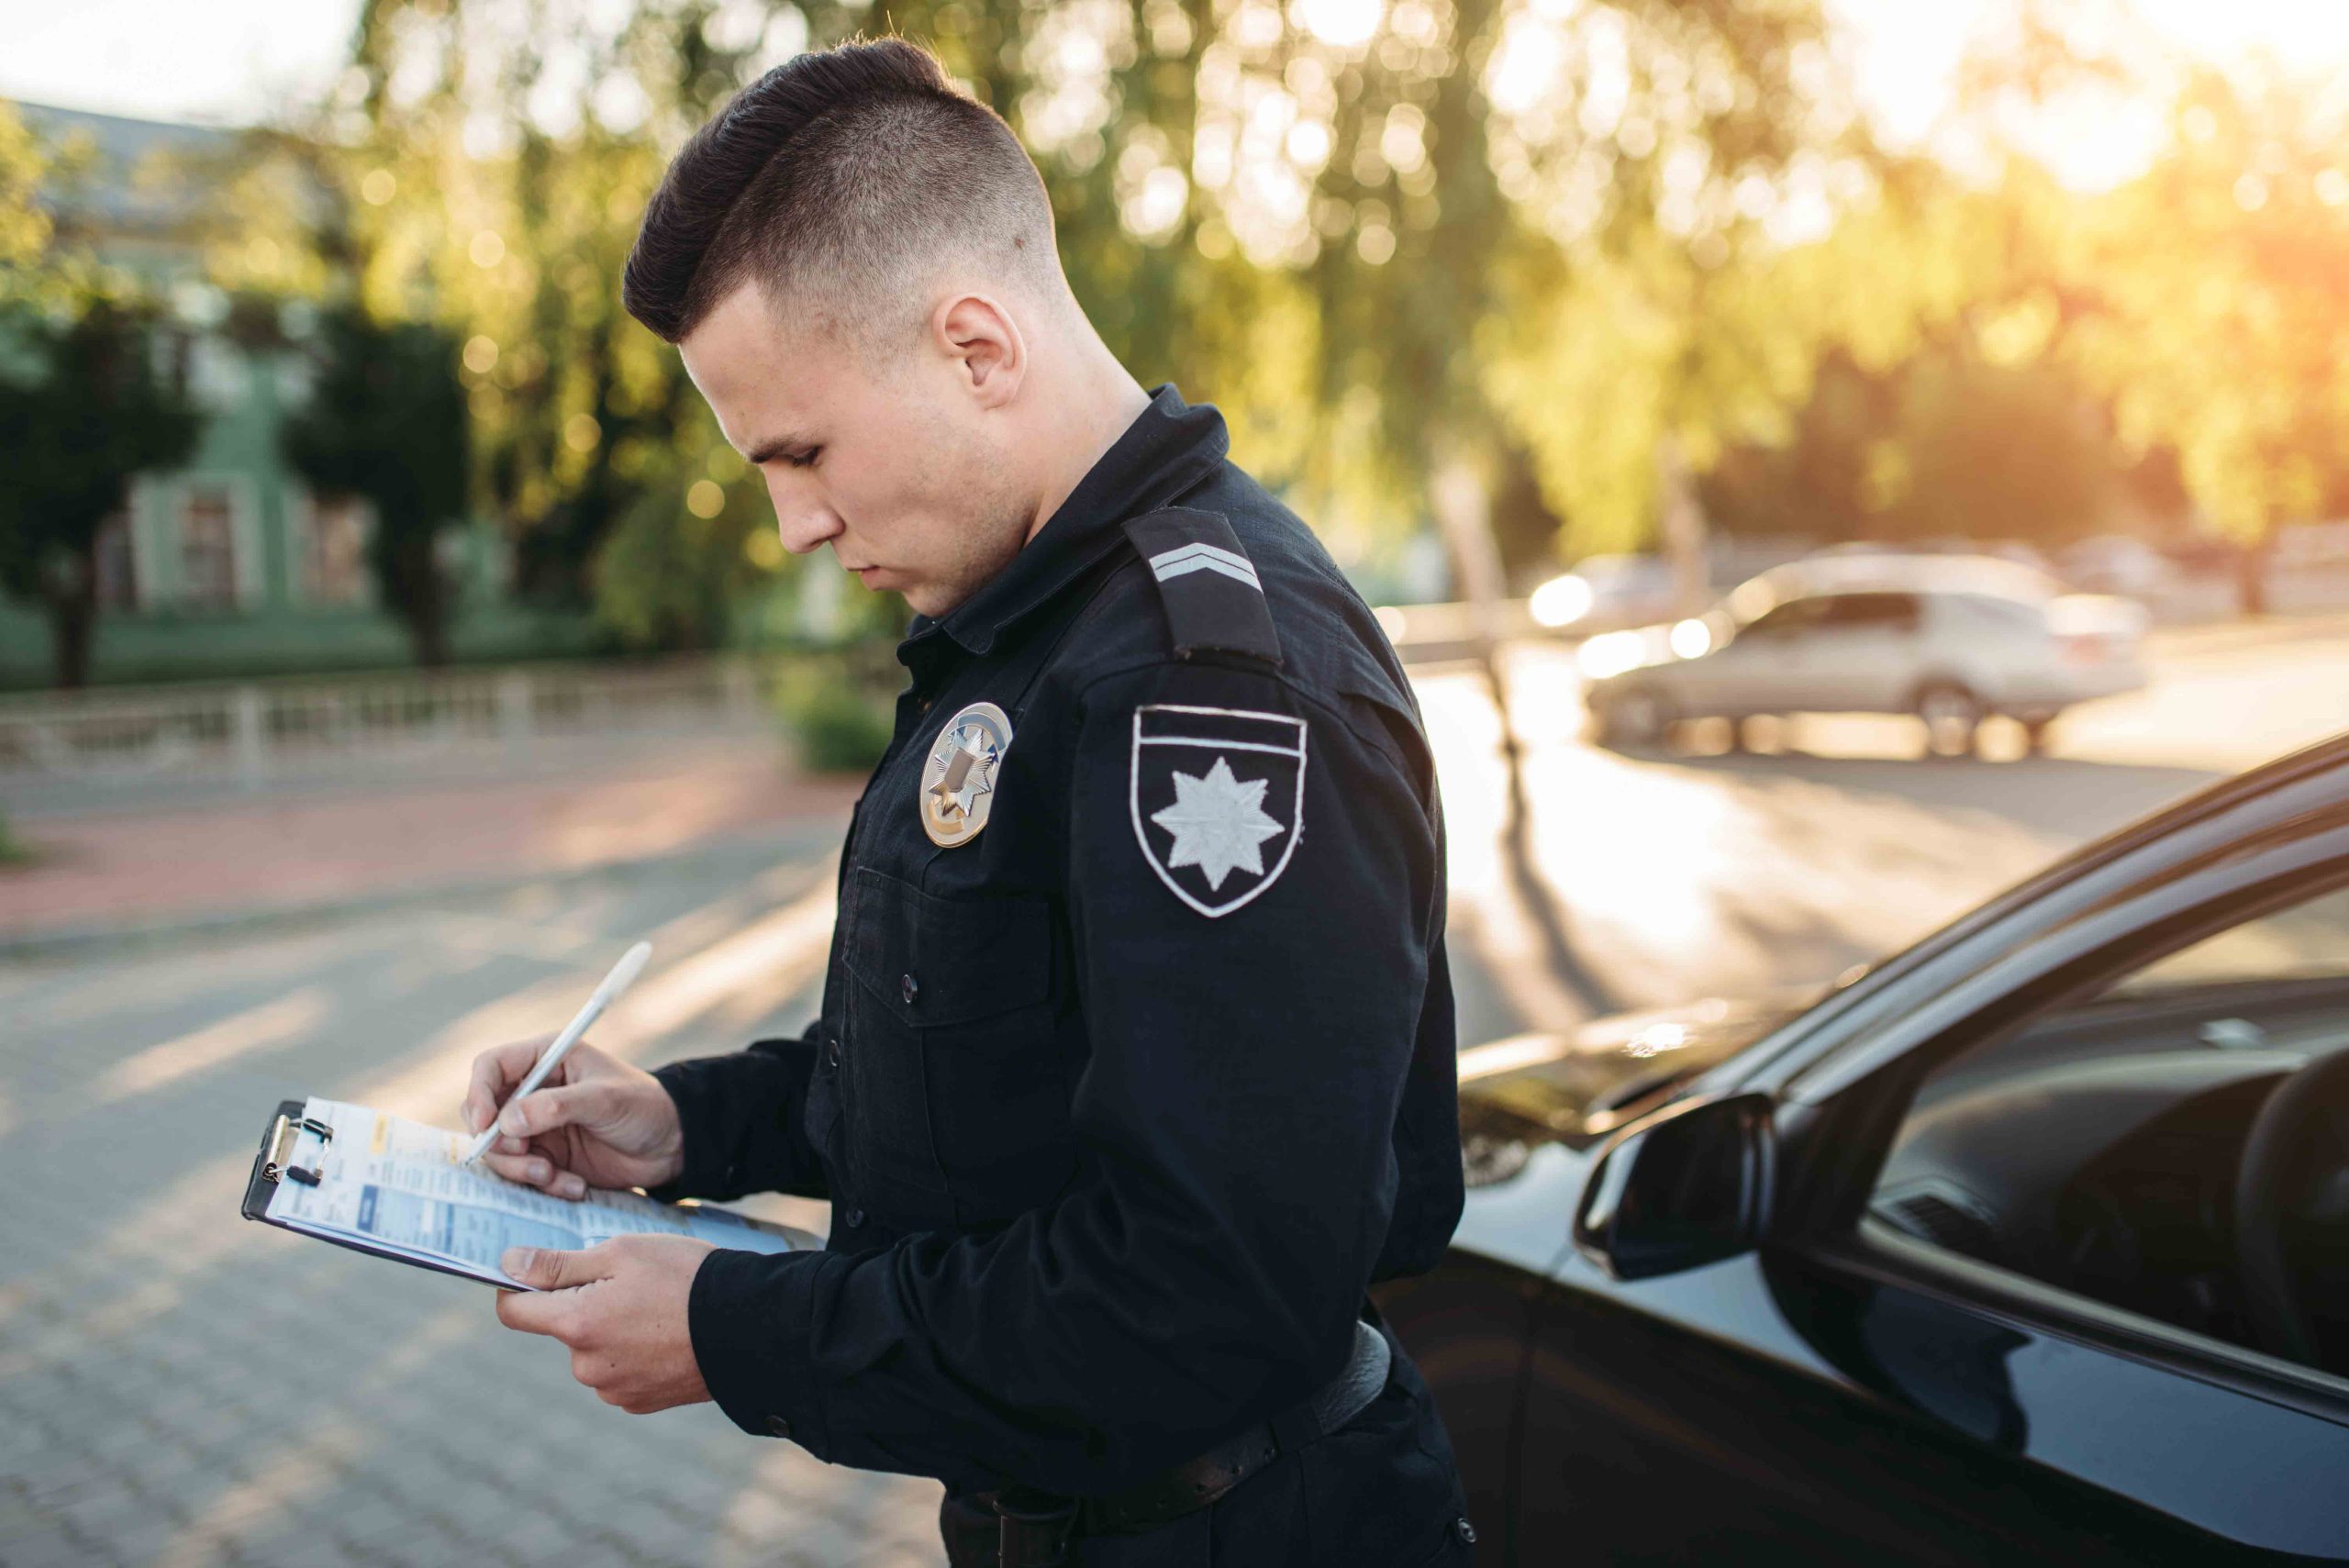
1205,558
1214,553
1201,563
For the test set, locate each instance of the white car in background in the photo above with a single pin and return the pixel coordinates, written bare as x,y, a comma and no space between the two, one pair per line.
1950,639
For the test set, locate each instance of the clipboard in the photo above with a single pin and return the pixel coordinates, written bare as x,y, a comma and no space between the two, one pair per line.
289,1138
293,1148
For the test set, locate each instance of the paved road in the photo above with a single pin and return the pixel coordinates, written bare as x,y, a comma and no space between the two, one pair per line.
1632,880
178,1388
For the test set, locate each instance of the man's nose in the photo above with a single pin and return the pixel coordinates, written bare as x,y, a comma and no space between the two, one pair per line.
804,521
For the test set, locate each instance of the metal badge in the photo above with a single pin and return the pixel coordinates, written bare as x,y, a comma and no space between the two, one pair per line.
957,781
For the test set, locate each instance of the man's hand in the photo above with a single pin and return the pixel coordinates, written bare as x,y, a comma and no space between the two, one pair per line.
596,1122
621,1307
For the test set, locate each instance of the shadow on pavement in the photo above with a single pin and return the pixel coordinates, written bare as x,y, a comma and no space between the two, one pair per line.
2059,796
1543,909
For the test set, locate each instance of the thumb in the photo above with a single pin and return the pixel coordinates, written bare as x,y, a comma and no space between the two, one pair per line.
543,1110
546,1269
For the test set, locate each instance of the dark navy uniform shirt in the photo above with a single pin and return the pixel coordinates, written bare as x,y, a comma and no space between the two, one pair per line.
1121,1102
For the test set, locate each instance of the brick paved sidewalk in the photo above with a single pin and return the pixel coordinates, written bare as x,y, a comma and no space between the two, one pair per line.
182,1388
166,865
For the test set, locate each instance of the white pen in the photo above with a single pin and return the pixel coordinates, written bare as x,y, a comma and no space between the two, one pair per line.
630,965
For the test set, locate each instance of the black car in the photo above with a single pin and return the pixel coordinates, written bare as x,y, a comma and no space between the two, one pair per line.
2028,1245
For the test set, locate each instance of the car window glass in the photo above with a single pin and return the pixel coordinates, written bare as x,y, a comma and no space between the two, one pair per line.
2006,614
1871,612
2303,941
1793,616
2096,1145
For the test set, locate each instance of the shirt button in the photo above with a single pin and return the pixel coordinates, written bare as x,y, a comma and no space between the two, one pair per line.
777,1427
833,1050
909,988
1467,1531
853,1218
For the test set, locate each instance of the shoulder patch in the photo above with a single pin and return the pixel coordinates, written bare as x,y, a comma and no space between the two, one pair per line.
1217,797
1206,583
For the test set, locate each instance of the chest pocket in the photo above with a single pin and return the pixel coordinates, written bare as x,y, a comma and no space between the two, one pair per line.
957,1098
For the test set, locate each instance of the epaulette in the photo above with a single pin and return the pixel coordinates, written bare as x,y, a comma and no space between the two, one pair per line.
1213,602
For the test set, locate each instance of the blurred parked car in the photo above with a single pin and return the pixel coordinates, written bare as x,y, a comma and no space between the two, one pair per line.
1950,639
2007,549
2020,1247
2115,563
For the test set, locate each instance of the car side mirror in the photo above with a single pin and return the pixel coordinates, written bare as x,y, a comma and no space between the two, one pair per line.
1688,1186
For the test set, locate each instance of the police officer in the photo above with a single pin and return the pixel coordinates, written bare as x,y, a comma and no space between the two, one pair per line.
1135,1066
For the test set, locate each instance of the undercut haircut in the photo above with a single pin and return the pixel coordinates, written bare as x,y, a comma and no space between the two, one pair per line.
841,182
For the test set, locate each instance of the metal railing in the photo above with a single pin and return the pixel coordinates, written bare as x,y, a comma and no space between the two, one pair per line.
255,729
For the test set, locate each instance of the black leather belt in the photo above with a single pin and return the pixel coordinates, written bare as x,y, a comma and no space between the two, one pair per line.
1193,1485
1034,1528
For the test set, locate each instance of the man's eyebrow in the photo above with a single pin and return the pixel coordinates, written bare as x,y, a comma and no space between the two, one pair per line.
775,446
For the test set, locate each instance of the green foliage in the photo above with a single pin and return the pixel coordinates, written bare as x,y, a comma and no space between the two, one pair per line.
388,421
1943,445
667,575
2000,451
11,852
2219,281
1524,239
24,227
838,723
1312,219
515,240
81,409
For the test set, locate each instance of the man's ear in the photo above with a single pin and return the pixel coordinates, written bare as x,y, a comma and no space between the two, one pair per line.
979,333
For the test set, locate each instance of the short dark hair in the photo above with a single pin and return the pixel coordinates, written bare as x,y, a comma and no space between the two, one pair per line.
844,177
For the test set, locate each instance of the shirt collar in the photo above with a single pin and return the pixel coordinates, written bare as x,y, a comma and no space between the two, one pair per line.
1166,452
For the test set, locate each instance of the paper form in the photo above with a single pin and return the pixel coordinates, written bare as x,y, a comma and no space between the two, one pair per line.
398,1187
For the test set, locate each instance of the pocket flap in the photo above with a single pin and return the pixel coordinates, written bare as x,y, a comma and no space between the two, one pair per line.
948,960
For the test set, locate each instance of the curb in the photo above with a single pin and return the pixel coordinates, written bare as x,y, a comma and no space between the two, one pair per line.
69,941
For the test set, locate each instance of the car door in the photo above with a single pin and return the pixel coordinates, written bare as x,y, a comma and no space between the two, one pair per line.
1765,667
1847,1391
1863,655
1674,1422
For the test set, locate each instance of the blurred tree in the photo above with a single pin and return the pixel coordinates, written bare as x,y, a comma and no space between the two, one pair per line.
1396,237
1668,157
24,227
496,163
1820,483
1334,220
1997,451
2226,270
387,421
1943,445
82,409
684,551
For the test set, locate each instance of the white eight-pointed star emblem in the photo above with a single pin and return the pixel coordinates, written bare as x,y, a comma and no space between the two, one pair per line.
1217,800
1219,823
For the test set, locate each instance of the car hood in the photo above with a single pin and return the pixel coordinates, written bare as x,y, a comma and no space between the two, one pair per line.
1579,1085
1610,654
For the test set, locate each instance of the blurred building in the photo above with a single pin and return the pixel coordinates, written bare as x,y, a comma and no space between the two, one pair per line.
228,564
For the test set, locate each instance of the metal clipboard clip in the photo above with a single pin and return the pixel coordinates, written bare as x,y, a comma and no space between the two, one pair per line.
282,1139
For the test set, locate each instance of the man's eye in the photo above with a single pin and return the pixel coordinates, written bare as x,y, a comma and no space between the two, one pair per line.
806,459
